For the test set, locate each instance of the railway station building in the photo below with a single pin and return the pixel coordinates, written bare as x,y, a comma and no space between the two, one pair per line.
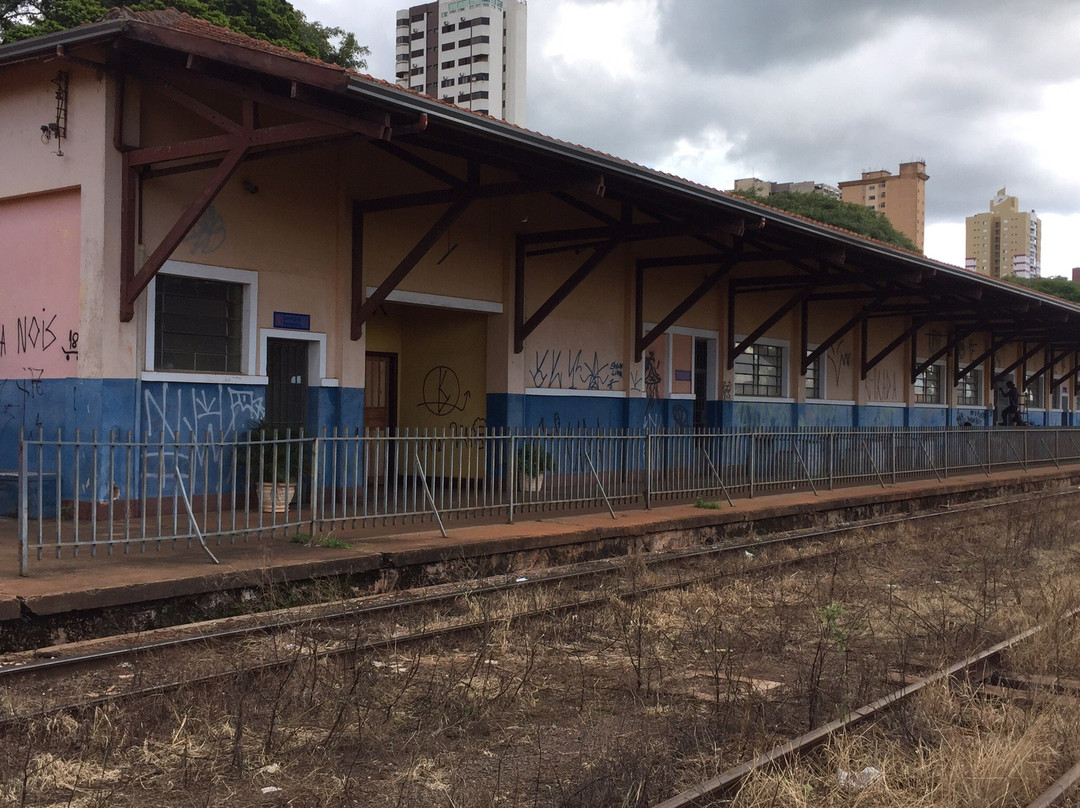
200,231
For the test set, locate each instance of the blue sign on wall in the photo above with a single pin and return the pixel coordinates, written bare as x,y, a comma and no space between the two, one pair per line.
287,319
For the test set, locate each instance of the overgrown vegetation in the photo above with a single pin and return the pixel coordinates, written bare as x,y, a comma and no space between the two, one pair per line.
1058,286
829,210
620,706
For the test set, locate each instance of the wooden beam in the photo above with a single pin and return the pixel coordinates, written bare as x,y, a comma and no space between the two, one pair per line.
356,329
182,226
868,365
1023,358
837,335
995,346
734,351
279,135
568,286
958,335
641,342
129,195
1069,374
406,265
1053,360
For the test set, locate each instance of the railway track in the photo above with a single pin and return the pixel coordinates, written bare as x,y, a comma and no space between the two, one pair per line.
980,667
112,669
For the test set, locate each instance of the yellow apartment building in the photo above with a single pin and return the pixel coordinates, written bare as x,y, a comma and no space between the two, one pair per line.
901,197
1005,241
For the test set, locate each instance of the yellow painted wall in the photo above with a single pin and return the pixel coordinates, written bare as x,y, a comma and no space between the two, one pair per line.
442,377
890,379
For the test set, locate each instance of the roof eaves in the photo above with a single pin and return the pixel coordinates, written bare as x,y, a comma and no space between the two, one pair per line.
42,45
456,116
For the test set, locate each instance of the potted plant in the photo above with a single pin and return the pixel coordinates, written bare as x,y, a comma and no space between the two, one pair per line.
276,466
531,463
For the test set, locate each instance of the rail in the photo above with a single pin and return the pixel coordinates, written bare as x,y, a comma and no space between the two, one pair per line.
88,495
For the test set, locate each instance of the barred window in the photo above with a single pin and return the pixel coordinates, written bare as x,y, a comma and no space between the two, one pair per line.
198,324
969,390
928,386
759,371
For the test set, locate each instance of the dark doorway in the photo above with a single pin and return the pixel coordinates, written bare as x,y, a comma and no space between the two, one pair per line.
380,391
701,382
287,383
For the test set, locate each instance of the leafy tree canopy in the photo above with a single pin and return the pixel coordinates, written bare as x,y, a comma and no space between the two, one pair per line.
275,21
1058,287
830,210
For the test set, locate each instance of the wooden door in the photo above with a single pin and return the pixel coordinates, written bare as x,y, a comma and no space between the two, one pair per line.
380,392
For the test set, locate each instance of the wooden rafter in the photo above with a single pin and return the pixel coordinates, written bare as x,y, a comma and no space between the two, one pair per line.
734,351
869,364
362,313
1024,357
957,336
809,357
223,153
1052,360
523,326
643,341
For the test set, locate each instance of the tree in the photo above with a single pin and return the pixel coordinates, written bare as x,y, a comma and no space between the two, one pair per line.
1058,286
275,21
830,210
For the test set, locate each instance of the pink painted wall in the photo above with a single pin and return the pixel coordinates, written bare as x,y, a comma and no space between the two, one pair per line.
39,300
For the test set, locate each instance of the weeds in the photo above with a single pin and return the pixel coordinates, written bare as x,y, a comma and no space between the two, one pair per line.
621,706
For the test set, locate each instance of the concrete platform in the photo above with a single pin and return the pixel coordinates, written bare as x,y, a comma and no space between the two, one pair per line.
58,586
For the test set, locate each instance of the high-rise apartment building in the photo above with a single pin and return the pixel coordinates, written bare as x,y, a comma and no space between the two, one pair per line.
468,52
1005,241
901,197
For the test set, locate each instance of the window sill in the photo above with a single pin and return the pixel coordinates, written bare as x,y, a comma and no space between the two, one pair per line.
201,378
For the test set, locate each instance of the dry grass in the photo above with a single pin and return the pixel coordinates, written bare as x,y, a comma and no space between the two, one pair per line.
620,706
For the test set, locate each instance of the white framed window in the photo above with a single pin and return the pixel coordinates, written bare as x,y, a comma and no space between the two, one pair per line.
929,385
1035,393
200,324
761,370
814,380
969,390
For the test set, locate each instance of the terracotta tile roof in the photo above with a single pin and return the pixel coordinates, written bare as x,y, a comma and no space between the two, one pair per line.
176,20
180,21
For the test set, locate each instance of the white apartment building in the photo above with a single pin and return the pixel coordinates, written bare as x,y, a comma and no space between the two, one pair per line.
468,52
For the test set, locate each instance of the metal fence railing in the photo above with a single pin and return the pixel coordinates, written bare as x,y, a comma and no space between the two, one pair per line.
87,495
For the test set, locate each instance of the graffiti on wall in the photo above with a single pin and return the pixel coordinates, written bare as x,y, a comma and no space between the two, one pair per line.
37,336
839,358
574,370
653,418
181,412
442,394
208,234
557,424
880,385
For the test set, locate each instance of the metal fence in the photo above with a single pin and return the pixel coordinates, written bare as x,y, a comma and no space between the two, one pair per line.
83,495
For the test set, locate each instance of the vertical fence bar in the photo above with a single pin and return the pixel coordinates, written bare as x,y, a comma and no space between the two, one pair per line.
512,464
24,524
648,469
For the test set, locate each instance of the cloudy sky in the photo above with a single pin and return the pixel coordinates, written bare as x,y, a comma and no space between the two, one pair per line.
986,93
